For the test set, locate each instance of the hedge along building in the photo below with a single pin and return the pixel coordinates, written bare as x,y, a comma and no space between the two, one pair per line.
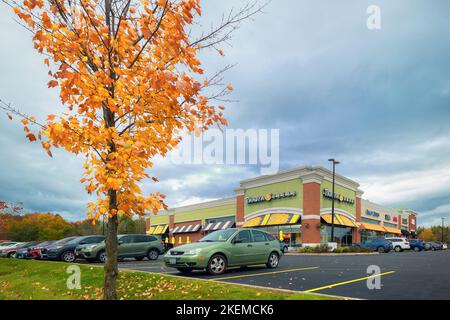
294,204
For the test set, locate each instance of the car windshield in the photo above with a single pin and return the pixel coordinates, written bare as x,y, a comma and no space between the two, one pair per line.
65,240
218,236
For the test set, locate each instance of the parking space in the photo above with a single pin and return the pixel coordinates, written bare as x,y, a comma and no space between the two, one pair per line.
405,275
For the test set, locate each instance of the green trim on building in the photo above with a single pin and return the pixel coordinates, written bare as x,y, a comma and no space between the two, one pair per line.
326,202
275,188
206,213
159,219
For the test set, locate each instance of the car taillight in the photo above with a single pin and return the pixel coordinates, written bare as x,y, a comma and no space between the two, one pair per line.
162,242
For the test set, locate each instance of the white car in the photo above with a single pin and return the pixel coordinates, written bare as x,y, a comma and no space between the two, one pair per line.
399,244
5,245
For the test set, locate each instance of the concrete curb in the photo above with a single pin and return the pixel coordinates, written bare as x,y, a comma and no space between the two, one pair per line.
246,285
331,254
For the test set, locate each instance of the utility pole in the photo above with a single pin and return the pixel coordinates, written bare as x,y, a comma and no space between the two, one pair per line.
332,198
442,230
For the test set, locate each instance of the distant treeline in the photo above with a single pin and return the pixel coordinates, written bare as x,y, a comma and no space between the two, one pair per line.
433,233
48,226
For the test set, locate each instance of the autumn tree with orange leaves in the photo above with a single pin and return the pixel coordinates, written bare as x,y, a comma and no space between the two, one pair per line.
131,83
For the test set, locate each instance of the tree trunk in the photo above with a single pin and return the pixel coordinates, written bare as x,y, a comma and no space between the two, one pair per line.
111,266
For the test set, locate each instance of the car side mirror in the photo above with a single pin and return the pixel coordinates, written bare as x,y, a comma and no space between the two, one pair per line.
119,242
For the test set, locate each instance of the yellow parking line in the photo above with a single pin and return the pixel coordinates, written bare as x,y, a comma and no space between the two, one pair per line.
349,281
264,273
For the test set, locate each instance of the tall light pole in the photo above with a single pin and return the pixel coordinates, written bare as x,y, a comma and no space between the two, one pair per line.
332,198
442,230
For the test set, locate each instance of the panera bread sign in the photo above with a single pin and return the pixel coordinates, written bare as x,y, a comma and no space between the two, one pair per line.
341,198
270,196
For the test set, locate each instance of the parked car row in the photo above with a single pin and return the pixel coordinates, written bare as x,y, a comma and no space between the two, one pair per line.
399,244
90,248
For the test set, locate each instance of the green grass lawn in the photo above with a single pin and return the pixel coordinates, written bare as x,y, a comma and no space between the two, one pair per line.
25,279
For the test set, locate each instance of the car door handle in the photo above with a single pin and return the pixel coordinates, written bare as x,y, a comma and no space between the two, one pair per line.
267,244
249,245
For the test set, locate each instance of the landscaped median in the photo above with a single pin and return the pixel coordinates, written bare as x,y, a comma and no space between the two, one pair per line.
25,279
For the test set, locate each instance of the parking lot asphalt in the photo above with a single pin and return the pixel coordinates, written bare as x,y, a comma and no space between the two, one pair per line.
404,275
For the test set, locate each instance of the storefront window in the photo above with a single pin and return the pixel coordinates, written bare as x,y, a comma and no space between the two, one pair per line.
342,235
369,234
291,233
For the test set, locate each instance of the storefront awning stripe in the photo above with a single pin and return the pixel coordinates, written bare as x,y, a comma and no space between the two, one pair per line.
294,219
254,222
265,220
373,227
150,230
187,228
209,226
217,226
392,230
175,230
227,224
339,219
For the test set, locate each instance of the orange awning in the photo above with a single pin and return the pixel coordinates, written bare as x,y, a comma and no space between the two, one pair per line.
392,230
371,226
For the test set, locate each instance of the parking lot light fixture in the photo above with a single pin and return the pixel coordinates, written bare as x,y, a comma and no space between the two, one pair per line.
332,197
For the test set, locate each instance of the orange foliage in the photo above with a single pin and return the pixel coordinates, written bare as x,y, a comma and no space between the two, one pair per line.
131,87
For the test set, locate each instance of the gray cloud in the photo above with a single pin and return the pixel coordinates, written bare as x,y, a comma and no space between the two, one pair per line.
377,100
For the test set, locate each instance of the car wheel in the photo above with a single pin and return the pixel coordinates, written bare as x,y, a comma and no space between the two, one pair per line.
273,261
416,249
398,249
139,258
101,256
185,270
217,264
153,254
68,256
381,249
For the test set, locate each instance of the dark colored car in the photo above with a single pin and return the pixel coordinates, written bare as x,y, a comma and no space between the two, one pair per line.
11,252
377,244
416,245
64,250
138,246
433,245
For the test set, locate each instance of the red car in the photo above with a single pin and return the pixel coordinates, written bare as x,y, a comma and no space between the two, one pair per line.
35,252
9,252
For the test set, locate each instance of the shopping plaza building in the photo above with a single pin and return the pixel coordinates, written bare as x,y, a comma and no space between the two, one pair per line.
294,204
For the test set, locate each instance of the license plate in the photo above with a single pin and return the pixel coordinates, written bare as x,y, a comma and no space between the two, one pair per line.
173,261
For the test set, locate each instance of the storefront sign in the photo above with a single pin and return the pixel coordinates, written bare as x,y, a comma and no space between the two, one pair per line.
328,194
372,213
270,197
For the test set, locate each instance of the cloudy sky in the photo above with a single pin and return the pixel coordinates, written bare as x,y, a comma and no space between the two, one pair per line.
377,100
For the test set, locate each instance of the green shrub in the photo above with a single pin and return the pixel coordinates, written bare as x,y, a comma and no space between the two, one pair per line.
323,248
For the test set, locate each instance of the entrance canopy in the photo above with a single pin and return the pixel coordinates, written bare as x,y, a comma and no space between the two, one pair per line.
339,219
272,219
158,230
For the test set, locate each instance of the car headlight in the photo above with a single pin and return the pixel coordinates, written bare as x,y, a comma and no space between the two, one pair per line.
192,252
